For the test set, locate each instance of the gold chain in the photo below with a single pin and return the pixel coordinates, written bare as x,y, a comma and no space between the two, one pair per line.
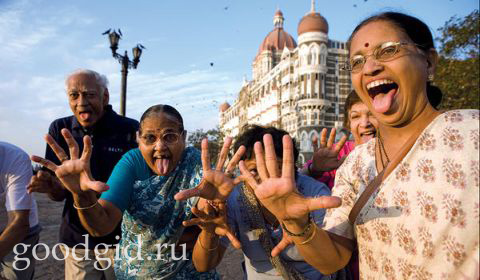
382,149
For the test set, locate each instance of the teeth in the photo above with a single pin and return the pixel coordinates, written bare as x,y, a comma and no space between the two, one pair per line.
379,82
367,133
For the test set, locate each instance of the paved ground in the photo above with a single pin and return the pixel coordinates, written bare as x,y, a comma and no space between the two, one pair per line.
51,269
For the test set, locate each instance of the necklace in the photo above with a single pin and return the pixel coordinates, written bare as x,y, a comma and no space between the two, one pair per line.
382,150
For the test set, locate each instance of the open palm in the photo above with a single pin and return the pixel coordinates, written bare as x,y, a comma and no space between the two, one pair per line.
74,173
216,184
279,193
325,156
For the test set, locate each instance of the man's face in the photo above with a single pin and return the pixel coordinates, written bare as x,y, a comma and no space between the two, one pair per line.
86,99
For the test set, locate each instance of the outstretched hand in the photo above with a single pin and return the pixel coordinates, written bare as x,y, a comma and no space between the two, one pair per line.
279,193
216,185
213,221
325,156
74,173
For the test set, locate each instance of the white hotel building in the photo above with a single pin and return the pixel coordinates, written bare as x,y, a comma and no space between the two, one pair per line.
298,88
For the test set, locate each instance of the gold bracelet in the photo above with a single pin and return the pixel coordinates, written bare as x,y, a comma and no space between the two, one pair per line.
84,208
211,249
311,236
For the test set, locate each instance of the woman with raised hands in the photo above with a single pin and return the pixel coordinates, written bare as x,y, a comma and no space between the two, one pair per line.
263,241
154,243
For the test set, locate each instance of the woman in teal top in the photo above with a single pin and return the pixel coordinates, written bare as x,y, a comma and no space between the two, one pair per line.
140,189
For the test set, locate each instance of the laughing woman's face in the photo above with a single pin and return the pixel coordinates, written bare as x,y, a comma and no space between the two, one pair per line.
161,143
362,123
394,89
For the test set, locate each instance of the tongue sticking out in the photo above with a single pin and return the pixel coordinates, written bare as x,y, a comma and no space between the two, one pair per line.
162,165
84,115
382,102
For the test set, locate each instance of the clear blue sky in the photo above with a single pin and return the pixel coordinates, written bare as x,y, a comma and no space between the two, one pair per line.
41,41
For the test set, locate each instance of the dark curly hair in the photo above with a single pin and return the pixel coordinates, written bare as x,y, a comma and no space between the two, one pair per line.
250,134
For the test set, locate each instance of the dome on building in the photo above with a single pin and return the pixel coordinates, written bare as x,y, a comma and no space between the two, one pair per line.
312,22
278,38
224,106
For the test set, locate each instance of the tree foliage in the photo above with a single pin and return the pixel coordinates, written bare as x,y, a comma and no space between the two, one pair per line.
458,66
215,141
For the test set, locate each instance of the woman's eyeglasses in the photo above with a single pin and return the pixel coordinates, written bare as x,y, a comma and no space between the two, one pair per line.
382,53
169,138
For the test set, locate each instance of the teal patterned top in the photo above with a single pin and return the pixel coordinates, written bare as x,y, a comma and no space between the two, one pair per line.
152,225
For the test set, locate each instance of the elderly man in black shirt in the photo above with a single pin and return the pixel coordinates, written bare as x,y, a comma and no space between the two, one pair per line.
112,135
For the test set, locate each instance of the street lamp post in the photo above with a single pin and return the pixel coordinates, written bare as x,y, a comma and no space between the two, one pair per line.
126,63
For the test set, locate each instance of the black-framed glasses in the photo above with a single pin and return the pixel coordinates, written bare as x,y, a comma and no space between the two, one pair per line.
169,138
382,53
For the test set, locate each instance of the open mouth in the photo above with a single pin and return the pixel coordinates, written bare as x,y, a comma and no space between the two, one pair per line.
382,93
367,135
84,115
380,86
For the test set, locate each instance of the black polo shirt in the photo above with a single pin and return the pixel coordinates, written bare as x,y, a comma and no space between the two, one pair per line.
112,136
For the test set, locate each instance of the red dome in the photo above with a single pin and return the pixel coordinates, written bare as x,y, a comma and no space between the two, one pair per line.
277,40
312,22
224,106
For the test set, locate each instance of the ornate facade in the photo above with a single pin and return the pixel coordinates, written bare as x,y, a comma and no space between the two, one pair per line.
298,88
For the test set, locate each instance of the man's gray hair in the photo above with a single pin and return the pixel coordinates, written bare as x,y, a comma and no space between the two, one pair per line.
102,80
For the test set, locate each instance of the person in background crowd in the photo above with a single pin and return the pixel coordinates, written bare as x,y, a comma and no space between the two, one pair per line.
112,136
328,156
22,226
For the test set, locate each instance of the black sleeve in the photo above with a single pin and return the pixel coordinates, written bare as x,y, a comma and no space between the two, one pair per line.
54,131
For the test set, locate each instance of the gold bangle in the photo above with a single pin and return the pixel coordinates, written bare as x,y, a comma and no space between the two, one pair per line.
311,236
84,208
211,249
304,231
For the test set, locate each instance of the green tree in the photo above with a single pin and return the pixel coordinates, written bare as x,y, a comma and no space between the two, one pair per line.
458,66
215,141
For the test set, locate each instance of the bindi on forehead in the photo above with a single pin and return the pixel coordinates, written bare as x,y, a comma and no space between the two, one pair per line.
366,45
